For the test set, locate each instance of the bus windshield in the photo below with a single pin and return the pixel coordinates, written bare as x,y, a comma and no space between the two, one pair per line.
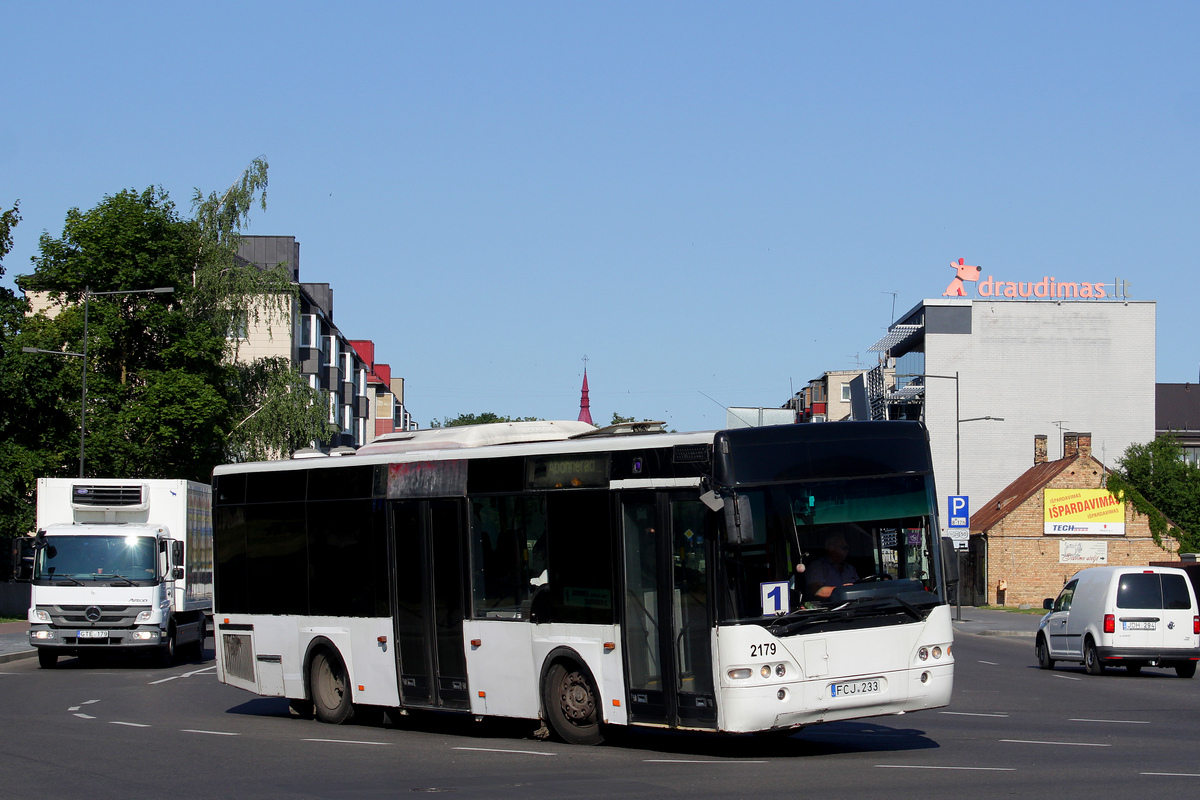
851,546
96,559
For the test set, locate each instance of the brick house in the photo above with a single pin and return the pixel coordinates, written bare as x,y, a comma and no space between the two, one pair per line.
1012,558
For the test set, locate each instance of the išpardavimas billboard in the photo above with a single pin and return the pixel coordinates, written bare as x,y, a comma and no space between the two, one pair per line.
1076,511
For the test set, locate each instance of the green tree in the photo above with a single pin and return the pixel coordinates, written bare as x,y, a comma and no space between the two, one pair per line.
478,419
1162,485
167,396
156,377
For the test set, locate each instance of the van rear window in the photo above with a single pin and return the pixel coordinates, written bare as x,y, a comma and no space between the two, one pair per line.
1153,590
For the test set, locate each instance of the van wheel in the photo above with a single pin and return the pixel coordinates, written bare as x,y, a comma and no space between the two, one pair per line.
1091,659
1043,654
1185,669
329,687
570,702
1133,668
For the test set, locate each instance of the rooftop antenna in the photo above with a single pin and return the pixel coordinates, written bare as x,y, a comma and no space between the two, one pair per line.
892,318
1060,423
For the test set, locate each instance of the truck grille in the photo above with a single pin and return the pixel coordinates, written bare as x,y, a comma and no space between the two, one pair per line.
110,496
77,616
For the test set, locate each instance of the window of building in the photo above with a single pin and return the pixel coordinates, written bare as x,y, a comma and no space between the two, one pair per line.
239,326
845,393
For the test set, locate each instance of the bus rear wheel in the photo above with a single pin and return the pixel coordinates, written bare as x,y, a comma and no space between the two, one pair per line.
570,700
329,687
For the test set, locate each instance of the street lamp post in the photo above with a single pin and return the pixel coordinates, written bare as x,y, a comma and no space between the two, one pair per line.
88,294
958,421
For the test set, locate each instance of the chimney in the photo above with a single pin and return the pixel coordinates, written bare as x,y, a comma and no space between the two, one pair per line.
1070,445
1085,444
1039,449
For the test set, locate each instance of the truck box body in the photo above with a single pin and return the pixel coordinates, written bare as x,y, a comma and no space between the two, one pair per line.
121,564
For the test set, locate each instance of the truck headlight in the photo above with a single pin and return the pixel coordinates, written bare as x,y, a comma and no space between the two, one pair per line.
144,616
40,615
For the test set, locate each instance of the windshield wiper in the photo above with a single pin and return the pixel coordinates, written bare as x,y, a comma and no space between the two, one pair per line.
128,582
54,577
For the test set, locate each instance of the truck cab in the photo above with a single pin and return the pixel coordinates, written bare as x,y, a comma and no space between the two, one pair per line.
120,566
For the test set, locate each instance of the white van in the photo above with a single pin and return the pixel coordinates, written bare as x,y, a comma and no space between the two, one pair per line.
1123,616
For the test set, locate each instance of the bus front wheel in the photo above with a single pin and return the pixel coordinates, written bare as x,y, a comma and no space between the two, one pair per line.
329,687
571,703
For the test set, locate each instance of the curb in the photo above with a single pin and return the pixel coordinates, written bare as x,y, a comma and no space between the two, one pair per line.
7,657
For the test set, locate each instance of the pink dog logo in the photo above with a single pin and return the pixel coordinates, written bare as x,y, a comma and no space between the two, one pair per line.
963,272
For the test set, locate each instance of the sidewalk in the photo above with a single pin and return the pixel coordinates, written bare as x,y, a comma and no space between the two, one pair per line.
990,622
14,641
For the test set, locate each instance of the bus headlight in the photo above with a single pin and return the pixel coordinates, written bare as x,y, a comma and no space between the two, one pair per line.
740,674
40,615
923,654
781,670
937,652
765,671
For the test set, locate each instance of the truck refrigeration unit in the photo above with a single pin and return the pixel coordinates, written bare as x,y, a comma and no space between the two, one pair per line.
119,565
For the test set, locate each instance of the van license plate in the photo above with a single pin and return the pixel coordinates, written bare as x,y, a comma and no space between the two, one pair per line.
90,634
872,686
1138,626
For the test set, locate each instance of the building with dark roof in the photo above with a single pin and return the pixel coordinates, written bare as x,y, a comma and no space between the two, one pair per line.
1049,523
1177,412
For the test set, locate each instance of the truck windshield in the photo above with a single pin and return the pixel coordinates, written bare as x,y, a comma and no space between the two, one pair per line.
96,559
868,543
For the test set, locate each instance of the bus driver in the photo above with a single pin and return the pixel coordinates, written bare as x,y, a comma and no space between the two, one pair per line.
830,570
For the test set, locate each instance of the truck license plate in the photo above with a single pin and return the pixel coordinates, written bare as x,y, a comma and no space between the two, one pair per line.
90,634
872,686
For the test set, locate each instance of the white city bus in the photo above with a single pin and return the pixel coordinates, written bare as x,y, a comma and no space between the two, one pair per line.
624,576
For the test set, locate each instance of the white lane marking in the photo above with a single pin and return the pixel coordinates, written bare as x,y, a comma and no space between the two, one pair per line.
130,724
920,766
991,663
696,761
88,702
200,671
73,708
345,741
1117,721
164,680
498,750
1173,774
211,733
85,716
1068,744
1068,677
969,714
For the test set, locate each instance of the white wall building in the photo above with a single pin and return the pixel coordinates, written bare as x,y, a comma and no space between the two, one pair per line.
1043,366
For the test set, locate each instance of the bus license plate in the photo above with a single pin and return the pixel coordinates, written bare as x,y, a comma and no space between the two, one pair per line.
90,634
1138,626
871,686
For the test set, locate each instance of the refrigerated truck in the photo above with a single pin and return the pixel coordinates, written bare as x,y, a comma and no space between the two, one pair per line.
120,565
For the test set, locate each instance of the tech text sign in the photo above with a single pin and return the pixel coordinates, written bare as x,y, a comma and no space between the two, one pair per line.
1076,511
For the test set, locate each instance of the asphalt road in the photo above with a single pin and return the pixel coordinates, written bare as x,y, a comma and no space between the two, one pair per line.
126,729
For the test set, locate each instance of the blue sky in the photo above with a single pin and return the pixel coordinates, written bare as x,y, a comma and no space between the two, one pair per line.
713,201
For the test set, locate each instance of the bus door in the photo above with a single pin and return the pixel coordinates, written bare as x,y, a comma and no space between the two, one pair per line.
429,602
665,611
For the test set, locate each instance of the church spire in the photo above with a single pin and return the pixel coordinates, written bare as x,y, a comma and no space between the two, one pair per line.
585,415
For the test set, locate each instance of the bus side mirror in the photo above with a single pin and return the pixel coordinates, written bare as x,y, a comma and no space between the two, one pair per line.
949,561
739,521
